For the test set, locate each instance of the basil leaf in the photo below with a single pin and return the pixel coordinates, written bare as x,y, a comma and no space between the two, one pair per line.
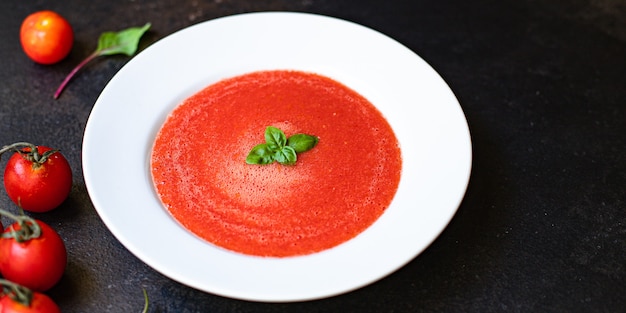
275,138
260,154
279,148
286,156
123,42
302,142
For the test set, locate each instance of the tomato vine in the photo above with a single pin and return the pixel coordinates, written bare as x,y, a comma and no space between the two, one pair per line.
29,151
29,228
16,292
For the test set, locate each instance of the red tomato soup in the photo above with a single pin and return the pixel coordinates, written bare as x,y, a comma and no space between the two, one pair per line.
334,191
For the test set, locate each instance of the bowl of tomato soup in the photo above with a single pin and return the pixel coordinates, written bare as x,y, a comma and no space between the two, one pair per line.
166,146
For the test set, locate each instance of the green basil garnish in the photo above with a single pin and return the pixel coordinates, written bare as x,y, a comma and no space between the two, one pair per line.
279,148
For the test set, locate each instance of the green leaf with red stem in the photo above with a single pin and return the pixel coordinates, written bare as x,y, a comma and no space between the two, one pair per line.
109,43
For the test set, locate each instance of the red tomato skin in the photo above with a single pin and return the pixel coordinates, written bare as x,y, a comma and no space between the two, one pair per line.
41,303
46,37
38,263
38,189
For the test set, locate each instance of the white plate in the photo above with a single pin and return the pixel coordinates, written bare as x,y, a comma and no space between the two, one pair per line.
422,110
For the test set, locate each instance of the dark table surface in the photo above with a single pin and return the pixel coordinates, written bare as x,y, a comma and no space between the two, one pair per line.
542,227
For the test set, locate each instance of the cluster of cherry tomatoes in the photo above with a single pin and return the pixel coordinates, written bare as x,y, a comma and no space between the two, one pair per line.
37,179
33,256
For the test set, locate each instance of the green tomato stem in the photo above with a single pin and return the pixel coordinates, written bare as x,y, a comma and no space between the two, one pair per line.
145,297
32,155
17,292
17,147
29,228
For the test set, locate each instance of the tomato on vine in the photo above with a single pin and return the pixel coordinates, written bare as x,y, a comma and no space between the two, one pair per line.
32,253
19,299
46,37
37,178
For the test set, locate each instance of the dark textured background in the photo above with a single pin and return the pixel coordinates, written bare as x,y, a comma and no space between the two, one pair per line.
543,85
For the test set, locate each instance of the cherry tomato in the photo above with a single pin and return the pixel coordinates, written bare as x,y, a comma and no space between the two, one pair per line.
37,187
40,303
38,263
46,37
